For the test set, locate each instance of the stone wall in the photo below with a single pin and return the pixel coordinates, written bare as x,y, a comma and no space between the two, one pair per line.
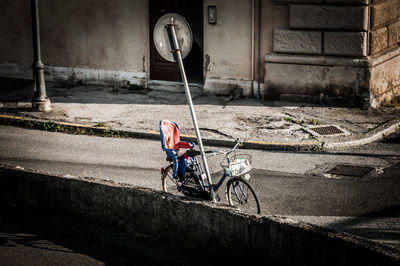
385,26
190,225
324,29
329,53
384,42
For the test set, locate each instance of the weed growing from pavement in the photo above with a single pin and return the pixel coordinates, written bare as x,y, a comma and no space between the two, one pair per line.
381,124
47,126
101,124
311,121
289,119
315,148
314,122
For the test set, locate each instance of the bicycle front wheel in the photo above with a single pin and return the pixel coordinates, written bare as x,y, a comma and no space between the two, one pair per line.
242,196
169,184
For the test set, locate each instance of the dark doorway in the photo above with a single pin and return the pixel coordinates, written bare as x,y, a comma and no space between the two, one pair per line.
192,11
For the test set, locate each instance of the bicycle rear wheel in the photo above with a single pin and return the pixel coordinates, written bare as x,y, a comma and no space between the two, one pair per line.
242,196
169,184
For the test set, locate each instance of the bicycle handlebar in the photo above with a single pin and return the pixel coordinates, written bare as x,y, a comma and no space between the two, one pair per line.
192,153
237,145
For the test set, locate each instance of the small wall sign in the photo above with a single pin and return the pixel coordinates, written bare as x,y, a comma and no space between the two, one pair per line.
212,14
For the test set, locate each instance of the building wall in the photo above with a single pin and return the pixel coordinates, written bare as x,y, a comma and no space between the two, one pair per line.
97,34
384,49
273,15
228,45
353,51
15,31
99,41
84,35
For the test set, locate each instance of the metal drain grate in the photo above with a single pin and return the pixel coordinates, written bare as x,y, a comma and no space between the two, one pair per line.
350,170
327,130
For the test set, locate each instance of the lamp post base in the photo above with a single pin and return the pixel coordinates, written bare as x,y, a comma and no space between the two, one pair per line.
42,105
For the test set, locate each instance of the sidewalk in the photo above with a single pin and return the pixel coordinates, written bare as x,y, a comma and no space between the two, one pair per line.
261,124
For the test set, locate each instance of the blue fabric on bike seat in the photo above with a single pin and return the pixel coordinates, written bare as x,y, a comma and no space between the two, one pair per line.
182,164
170,134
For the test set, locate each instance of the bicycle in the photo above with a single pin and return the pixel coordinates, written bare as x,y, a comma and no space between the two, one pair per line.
235,166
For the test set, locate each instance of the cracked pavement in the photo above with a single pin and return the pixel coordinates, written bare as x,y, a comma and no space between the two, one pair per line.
140,110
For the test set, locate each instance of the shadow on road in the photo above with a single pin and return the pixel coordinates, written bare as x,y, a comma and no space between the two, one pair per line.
54,238
381,225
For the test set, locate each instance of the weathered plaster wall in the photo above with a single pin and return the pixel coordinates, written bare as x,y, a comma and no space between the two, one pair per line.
102,40
273,15
96,34
228,44
385,79
15,31
110,35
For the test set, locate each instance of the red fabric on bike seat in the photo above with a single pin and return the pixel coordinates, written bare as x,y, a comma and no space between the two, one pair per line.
182,145
171,134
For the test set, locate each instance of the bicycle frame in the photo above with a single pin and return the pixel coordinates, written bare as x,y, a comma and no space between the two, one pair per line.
194,183
223,177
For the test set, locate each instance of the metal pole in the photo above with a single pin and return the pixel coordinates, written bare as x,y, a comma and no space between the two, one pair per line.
40,101
190,102
259,49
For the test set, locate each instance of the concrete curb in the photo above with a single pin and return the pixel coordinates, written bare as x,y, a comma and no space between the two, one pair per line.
82,129
377,134
191,225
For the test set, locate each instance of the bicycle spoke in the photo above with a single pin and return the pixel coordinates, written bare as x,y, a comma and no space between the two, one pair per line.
170,184
239,193
242,196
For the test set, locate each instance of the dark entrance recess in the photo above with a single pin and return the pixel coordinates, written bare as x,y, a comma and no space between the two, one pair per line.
192,11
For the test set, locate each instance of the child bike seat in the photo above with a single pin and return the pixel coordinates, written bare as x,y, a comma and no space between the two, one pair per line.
174,148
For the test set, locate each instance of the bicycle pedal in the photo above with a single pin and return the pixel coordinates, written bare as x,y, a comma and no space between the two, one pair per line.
217,198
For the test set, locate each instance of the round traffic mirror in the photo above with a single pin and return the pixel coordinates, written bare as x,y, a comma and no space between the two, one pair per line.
162,40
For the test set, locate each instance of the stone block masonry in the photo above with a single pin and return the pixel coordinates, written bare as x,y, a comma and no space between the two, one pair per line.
385,27
297,42
345,43
394,33
383,13
358,64
316,17
316,81
378,40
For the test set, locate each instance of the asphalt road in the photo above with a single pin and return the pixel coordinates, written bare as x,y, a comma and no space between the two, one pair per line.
291,184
